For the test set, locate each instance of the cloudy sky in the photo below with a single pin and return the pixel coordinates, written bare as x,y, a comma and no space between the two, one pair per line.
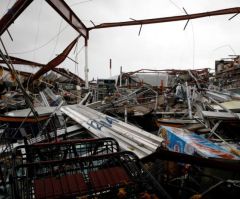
40,33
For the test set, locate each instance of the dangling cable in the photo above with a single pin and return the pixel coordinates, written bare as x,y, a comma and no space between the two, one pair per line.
7,60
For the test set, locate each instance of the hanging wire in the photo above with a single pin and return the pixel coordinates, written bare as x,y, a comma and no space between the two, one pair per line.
76,59
7,7
43,45
193,33
63,90
7,60
20,126
85,1
226,45
38,28
55,46
177,6
194,44
80,49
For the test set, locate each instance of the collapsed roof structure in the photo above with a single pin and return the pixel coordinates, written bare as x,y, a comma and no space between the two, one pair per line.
62,8
96,167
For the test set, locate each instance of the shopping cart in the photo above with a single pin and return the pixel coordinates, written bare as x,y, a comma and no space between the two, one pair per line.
88,173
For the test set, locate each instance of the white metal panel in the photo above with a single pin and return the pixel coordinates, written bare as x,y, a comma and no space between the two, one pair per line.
128,136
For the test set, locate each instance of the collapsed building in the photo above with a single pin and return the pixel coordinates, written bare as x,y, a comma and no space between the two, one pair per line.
92,146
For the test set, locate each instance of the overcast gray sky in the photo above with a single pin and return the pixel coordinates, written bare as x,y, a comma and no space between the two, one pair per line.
160,46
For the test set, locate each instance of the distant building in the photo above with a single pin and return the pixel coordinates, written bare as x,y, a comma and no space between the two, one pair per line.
137,79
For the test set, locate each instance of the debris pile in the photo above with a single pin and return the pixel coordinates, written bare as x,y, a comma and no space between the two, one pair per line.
142,134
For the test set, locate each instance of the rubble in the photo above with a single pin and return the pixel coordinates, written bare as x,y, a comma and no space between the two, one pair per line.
142,134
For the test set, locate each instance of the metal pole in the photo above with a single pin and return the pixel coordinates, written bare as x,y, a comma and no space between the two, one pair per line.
121,76
12,70
189,102
110,67
125,114
86,64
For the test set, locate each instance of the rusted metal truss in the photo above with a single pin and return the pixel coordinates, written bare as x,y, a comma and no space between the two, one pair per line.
234,10
55,62
58,5
24,74
68,74
67,13
64,11
13,14
16,60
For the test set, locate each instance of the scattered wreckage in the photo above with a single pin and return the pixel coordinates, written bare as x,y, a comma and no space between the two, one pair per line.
143,134
189,151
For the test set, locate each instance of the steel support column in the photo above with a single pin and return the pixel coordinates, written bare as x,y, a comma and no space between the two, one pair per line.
86,64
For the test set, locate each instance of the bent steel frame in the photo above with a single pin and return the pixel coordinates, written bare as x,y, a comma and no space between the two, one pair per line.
58,5
169,19
67,13
13,14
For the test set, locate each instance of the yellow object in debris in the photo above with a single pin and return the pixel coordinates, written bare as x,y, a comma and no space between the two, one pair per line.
235,151
145,195
197,196
1,72
122,193
13,77
233,104
154,197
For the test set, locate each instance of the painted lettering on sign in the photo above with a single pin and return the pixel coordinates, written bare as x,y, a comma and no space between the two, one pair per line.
111,120
105,122
94,124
